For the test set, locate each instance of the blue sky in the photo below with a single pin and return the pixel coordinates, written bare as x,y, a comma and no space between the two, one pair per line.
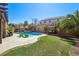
19,12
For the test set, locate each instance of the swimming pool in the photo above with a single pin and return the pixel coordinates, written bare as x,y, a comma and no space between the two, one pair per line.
30,34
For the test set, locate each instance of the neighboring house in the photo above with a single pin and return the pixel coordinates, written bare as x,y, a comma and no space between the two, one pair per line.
3,21
20,28
49,23
23,28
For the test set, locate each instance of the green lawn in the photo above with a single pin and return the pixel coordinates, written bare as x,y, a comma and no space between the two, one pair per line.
45,46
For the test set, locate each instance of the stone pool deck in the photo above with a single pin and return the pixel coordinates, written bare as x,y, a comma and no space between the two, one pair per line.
13,41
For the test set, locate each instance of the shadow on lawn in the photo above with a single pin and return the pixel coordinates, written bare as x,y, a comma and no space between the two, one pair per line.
70,40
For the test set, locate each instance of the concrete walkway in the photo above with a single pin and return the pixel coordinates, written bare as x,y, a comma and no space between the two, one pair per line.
13,41
74,51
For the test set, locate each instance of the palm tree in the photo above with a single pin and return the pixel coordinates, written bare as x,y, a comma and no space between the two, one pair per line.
66,25
70,23
76,19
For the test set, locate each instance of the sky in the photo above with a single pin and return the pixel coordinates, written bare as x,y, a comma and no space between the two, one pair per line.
19,12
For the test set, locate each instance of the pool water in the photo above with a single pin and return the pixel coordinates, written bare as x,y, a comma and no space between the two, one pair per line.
30,34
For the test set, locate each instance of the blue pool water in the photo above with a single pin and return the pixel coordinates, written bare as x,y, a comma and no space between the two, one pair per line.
31,33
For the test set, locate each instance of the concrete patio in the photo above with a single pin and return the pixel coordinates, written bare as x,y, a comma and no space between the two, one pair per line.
13,41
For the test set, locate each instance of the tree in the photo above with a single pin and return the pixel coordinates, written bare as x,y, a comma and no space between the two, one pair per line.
11,29
30,26
70,23
11,24
76,17
34,23
25,23
67,24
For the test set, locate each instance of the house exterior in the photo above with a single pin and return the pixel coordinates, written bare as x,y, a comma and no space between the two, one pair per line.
20,28
50,23
3,21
